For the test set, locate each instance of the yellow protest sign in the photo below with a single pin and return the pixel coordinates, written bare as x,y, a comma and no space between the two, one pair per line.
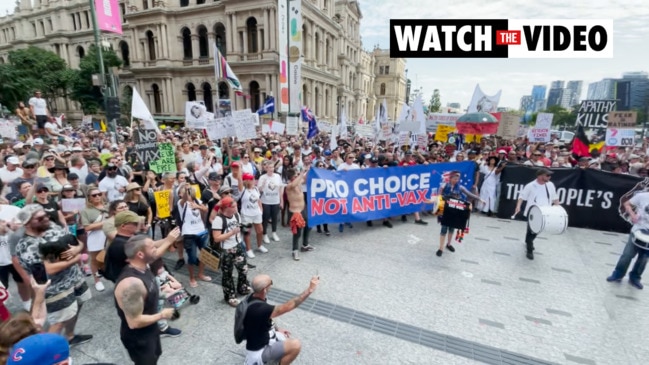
442,132
472,138
162,203
197,188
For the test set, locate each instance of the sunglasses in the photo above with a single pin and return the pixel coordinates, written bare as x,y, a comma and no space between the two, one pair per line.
95,195
43,191
29,166
41,218
112,169
136,189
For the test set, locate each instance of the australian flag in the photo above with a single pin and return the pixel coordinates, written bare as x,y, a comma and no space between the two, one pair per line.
309,117
268,107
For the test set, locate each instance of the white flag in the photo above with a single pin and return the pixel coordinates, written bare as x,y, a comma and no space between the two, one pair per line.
140,111
482,102
343,124
417,114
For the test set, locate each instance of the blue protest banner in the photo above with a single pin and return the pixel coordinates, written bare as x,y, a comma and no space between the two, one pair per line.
377,193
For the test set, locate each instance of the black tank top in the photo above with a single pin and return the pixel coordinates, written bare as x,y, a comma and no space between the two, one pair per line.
150,302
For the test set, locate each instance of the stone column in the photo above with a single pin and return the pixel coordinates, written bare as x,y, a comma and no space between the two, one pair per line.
245,44
229,30
211,44
273,28
195,48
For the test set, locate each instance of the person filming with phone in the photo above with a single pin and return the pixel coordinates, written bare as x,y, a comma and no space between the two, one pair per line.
265,342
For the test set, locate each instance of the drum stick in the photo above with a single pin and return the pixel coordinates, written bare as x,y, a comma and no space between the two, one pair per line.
514,216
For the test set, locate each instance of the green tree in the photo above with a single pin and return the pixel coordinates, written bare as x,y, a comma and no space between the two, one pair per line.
35,68
83,91
435,104
126,101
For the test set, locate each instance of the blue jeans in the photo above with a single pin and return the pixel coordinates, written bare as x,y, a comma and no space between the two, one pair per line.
630,251
193,243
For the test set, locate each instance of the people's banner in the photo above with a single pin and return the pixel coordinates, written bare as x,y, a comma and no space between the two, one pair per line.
162,203
592,198
166,161
376,193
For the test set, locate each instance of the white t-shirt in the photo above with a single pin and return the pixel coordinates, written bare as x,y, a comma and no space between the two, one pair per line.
111,187
270,186
250,202
52,128
192,220
8,177
82,172
5,254
641,202
39,104
531,163
537,194
348,167
231,223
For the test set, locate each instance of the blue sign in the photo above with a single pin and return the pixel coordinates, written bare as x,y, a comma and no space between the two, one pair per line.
377,193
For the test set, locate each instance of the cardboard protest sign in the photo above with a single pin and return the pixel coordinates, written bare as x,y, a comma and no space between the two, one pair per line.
166,161
70,205
162,203
146,144
541,131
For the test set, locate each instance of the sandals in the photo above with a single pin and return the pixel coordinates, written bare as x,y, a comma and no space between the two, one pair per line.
233,302
205,278
193,284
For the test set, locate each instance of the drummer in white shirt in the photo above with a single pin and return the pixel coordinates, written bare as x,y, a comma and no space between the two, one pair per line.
540,192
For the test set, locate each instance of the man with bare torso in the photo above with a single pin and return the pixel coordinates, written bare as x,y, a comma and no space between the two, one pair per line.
297,208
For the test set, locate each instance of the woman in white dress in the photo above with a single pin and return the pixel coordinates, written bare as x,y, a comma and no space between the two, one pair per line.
488,192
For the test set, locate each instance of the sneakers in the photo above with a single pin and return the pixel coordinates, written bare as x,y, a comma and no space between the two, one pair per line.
636,284
296,256
180,263
422,222
387,224
369,223
275,238
327,233
439,253
87,270
99,286
170,332
307,248
404,218
450,248
341,228
266,239
613,278
79,339
250,254
262,249
530,255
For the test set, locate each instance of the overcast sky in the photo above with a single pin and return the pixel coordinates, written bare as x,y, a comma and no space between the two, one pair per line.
456,78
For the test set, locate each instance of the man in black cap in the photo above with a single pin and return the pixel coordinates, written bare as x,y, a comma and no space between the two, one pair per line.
540,192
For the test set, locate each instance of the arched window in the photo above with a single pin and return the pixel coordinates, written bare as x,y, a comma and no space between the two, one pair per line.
81,52
157,101
151,44
184,3
316,106
303,97
305,44
199,2
145,4
207,97
382,89
327,52
251,27
317,48
187,43
224,90
219,31
127,93
123,47
191,92
203,47
254,96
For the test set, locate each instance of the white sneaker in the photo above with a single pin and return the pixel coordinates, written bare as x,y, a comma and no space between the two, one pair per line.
250,254
263,249
296,256
275,238
99,286
266,240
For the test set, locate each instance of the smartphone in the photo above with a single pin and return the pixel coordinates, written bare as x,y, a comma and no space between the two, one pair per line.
39,273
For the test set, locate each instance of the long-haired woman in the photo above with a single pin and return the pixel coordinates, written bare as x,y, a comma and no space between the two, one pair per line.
92,219
139,205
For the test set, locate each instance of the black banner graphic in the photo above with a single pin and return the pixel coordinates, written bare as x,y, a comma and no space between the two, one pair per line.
146,144
592,198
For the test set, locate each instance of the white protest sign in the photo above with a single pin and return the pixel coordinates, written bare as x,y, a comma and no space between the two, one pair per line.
195,115
244,124
541,131
7,129
403,138
292,126
273,127
70,205
620,137
365,130
324,127
217,129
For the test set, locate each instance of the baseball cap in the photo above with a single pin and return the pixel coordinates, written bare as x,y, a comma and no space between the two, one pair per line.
73,176
213,176
502,151
125,217
226,202
202,147
27,212
38,142
472,152
234,164
327,152
67,187
77,149
257,149
13,160
40,186
544,171
40,349
248,176
374,159
30,161
19,145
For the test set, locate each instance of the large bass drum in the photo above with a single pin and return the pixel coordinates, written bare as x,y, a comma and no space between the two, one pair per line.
548,219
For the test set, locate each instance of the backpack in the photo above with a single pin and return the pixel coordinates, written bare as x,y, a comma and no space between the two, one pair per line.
240,315
177,215
224,223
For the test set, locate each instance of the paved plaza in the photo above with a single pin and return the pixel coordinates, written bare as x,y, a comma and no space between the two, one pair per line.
385,298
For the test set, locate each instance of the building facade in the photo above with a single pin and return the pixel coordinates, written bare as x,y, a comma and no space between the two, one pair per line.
539,102
167,51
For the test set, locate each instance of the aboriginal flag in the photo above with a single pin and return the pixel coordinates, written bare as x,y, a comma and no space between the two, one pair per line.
580,143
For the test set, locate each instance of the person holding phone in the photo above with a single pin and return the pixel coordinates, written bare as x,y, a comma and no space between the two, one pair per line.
68,289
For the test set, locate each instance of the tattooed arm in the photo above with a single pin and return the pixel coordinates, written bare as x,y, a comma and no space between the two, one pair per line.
130,294
295,302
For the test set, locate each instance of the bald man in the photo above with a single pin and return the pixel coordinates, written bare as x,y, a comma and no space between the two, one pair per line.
263,338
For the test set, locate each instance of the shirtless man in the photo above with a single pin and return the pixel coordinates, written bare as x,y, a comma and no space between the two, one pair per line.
297,209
